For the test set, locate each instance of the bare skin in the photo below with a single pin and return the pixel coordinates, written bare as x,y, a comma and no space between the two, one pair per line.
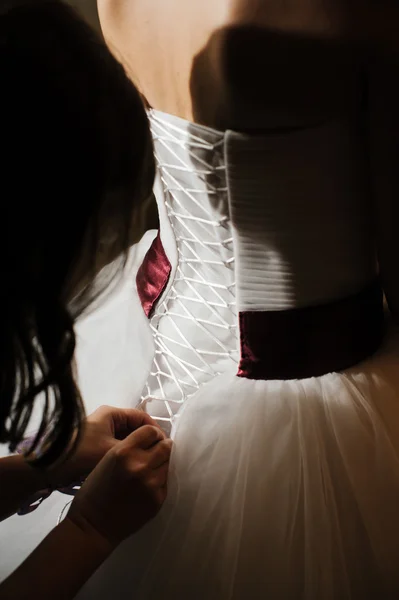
126,458
270,64
248,64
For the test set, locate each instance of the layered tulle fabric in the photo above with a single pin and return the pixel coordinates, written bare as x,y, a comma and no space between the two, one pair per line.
279,490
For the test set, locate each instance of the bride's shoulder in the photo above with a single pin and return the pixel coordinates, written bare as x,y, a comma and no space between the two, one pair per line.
275,65
245,64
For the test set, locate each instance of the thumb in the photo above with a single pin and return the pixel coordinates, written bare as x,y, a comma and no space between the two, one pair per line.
127,420
144,438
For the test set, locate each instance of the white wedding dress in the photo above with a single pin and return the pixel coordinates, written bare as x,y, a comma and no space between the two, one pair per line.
284,480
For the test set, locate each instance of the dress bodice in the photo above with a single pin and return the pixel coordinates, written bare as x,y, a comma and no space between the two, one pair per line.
250,223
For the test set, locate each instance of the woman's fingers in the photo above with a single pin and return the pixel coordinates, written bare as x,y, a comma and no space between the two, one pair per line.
145,437
160,454
128,486
122,421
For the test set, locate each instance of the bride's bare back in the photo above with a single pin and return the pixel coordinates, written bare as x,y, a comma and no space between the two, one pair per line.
244,64
258,64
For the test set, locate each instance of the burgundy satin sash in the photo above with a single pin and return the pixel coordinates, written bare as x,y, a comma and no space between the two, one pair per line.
153,275
289,344
312,341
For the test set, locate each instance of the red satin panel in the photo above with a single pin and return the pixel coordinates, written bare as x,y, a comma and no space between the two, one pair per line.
153,275
312,341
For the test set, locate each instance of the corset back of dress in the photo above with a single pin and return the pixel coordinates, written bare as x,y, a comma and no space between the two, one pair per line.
249,223
194,323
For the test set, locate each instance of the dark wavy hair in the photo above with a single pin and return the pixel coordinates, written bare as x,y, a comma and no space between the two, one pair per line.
76,169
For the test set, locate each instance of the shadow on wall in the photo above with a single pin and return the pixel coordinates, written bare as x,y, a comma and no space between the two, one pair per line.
88,8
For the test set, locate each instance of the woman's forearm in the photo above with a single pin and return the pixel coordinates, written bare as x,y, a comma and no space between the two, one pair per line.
72,554
18,482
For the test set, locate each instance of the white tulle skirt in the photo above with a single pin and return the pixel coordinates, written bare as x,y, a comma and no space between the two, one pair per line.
278,490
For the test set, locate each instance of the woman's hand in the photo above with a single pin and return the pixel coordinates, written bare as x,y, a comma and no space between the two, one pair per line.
101,432
126,489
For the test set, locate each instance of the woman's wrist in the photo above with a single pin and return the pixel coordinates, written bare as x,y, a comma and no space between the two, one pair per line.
75,552
20,482
83,531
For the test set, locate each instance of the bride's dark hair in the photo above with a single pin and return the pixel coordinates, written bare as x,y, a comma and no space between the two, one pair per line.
76,169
